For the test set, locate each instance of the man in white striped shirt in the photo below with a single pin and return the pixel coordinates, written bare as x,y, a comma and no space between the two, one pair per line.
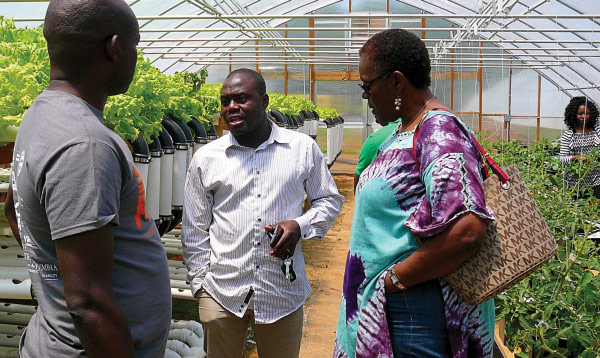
237,188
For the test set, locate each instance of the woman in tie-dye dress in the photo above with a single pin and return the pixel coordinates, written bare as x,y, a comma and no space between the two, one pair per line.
394,302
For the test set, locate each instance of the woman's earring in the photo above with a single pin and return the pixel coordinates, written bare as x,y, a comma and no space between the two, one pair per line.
398,103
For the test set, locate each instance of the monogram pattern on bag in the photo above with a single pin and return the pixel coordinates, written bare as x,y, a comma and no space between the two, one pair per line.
516,245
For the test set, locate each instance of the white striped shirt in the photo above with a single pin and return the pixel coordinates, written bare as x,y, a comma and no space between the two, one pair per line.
573,144
231,192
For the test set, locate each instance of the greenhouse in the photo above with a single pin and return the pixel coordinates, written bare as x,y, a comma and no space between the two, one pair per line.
516,72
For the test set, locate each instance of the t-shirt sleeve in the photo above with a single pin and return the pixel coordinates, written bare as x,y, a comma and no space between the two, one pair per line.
450,169
82,188
368,152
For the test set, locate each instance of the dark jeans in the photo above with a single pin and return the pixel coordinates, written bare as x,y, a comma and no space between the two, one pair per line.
417,322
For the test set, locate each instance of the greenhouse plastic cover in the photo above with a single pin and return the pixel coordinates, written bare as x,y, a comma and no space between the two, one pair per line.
571,72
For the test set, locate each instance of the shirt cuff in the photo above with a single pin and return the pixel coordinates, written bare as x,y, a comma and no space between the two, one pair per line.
306,232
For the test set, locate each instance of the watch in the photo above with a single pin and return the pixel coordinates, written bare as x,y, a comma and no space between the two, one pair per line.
395,280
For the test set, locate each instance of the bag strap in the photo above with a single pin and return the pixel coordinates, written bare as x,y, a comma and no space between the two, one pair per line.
484,155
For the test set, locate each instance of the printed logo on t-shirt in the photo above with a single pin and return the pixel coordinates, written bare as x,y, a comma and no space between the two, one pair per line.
140,213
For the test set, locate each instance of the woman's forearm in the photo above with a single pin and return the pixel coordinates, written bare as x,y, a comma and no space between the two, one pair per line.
441,254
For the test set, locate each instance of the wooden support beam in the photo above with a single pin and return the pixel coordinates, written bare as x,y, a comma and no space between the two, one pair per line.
256,43
229,62
423,25
539,109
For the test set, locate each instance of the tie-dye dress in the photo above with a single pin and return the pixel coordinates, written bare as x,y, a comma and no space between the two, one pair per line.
395,200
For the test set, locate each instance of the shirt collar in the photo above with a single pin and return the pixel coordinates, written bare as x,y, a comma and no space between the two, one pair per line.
278,135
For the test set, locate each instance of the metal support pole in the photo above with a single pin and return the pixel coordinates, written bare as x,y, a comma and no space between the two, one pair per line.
311,34
539,108
480,80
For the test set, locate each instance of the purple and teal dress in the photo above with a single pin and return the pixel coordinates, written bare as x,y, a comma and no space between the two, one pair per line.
394,201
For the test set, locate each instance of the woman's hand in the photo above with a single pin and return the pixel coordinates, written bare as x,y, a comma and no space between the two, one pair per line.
580,158
389,286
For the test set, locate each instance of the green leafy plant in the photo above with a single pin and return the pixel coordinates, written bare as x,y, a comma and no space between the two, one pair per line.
555,311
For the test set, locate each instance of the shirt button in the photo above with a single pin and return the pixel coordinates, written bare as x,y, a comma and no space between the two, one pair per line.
257,266
258,172
258,195
259,219
258,244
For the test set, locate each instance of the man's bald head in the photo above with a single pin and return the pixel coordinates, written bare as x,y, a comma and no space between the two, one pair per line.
76,31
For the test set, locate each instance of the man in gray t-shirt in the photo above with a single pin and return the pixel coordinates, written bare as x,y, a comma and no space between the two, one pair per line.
96,261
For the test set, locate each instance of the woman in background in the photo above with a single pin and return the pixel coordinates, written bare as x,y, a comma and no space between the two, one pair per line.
582,135
395,301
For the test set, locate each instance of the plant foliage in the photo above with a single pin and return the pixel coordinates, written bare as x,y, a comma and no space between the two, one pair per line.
555,311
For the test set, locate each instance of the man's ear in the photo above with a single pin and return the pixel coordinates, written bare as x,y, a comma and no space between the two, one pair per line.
111,48
265,101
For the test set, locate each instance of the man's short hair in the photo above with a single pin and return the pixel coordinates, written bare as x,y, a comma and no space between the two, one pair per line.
75,29
259,81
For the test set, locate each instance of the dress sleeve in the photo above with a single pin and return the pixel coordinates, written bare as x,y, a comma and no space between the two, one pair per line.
450,170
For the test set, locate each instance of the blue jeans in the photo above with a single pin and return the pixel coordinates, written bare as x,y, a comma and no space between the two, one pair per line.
417,322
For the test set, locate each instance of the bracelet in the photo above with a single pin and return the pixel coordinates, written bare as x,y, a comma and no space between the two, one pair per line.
395,280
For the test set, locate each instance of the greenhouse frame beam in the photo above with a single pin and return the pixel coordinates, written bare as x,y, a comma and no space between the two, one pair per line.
455,56
354,60
343,39
343,16
364,29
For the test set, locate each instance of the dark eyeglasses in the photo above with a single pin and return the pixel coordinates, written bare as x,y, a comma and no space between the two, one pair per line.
366,86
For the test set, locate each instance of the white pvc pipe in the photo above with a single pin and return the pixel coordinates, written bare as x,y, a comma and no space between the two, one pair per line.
9,341
178,264
178,276
15,318
16,308
180,284
194,342
197,146
143,170
315,127
171,354
178,269
153,188
180,348
9,352
11,329
193,326
182,293
13,260
173,250
15,289
10,250
179,171
330,145
13,273
166,184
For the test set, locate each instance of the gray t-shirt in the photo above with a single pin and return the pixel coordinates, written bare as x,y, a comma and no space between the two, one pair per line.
71,174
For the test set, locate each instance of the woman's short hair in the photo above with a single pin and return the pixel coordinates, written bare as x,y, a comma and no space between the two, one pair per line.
400,50
573,106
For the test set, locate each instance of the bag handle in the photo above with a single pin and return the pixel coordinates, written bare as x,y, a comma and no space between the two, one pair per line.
487,158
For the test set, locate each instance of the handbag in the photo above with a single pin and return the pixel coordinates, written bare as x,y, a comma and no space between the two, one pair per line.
515,245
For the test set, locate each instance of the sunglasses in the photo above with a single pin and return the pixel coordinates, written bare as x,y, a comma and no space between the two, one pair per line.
366,86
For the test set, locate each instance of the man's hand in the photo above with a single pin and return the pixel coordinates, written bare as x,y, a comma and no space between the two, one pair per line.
86,263
290,234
